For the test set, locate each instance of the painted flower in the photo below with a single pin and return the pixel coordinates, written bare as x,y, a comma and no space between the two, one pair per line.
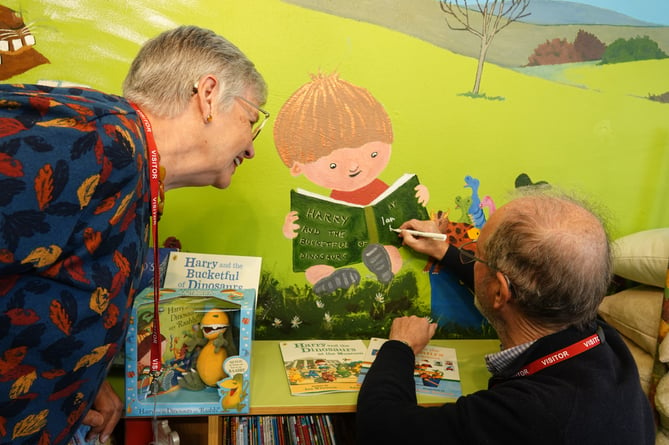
295,322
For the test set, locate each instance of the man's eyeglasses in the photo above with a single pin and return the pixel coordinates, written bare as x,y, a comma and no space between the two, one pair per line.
467,257
260,123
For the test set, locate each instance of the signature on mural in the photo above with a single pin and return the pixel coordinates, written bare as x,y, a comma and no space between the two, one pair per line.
17,52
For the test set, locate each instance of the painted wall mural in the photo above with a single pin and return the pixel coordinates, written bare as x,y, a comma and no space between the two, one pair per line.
564,94
17,52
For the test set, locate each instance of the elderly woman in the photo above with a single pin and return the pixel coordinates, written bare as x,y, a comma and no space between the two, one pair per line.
81,174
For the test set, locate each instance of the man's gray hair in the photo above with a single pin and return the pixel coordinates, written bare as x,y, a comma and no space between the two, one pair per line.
162,75
556,253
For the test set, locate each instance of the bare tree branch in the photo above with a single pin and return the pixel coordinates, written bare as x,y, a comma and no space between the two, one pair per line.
495,15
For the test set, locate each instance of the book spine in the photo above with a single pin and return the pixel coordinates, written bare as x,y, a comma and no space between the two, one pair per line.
293,430
233,430
330,428
371,223
282,432
304,432
315,430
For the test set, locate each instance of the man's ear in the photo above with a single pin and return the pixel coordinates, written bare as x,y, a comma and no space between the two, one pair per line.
296,169
503,293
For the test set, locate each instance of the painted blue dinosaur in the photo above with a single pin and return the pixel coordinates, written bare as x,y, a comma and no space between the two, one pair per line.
475,211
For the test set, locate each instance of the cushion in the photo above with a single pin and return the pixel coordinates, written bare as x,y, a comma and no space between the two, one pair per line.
662,401
663,350
642,256
662,438
635,313
644,363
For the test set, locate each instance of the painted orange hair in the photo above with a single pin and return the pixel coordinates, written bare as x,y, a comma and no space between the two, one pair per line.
327,114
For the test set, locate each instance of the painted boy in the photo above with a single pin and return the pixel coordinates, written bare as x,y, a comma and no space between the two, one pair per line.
339,137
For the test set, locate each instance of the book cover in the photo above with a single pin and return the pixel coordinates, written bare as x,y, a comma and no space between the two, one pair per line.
335,232
146,279
206,339
320,366
435,372
189,270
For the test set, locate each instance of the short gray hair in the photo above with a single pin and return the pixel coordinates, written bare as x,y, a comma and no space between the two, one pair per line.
162,75
557,254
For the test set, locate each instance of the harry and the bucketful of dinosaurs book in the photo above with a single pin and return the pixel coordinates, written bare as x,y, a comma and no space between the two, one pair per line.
206,338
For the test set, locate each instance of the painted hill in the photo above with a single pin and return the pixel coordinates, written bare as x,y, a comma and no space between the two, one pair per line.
512,47
555,12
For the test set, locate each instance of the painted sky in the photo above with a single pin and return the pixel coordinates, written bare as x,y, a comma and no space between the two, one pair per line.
653,11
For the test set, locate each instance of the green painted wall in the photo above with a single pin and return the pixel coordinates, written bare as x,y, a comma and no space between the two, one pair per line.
585,127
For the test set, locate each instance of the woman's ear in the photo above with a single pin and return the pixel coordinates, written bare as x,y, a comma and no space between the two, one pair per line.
205,90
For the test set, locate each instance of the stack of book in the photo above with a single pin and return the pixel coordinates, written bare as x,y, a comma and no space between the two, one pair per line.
297,429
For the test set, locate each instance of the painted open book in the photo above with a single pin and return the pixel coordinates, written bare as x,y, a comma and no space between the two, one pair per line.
335,232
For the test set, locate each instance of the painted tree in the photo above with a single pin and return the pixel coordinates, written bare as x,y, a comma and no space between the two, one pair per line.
554,52
589,46
485,19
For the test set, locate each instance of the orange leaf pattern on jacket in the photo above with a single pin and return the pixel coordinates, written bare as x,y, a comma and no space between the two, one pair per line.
10,126
72,239
44,186
122,263
22,385
6,256
60,317
92,239
74,267
111,316
93,357
10,360
10,166
86,190
60,122
107,204
41,104
122,209
43,256
30,425
99,300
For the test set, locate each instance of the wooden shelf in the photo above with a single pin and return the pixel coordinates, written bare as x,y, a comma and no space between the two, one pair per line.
270,394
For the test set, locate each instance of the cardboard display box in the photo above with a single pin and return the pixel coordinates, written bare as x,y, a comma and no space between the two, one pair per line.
206,353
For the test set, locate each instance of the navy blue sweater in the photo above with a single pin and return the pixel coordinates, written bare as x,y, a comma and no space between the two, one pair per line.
592,398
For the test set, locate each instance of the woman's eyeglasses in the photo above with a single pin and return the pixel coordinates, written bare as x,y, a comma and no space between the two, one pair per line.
257,125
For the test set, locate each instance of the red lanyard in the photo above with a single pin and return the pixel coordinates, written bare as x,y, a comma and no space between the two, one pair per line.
154,180
561,355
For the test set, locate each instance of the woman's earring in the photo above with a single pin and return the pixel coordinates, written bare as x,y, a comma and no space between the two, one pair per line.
209,118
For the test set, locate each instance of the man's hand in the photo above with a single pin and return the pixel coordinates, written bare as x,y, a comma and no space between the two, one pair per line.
414,331
105,413
432,247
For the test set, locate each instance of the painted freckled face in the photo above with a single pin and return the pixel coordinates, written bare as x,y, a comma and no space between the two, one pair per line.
348,169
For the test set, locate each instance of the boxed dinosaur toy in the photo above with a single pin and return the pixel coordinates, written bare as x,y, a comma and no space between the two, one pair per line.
206,338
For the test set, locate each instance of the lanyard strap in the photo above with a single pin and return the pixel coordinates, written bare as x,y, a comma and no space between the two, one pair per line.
561,355
154,181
